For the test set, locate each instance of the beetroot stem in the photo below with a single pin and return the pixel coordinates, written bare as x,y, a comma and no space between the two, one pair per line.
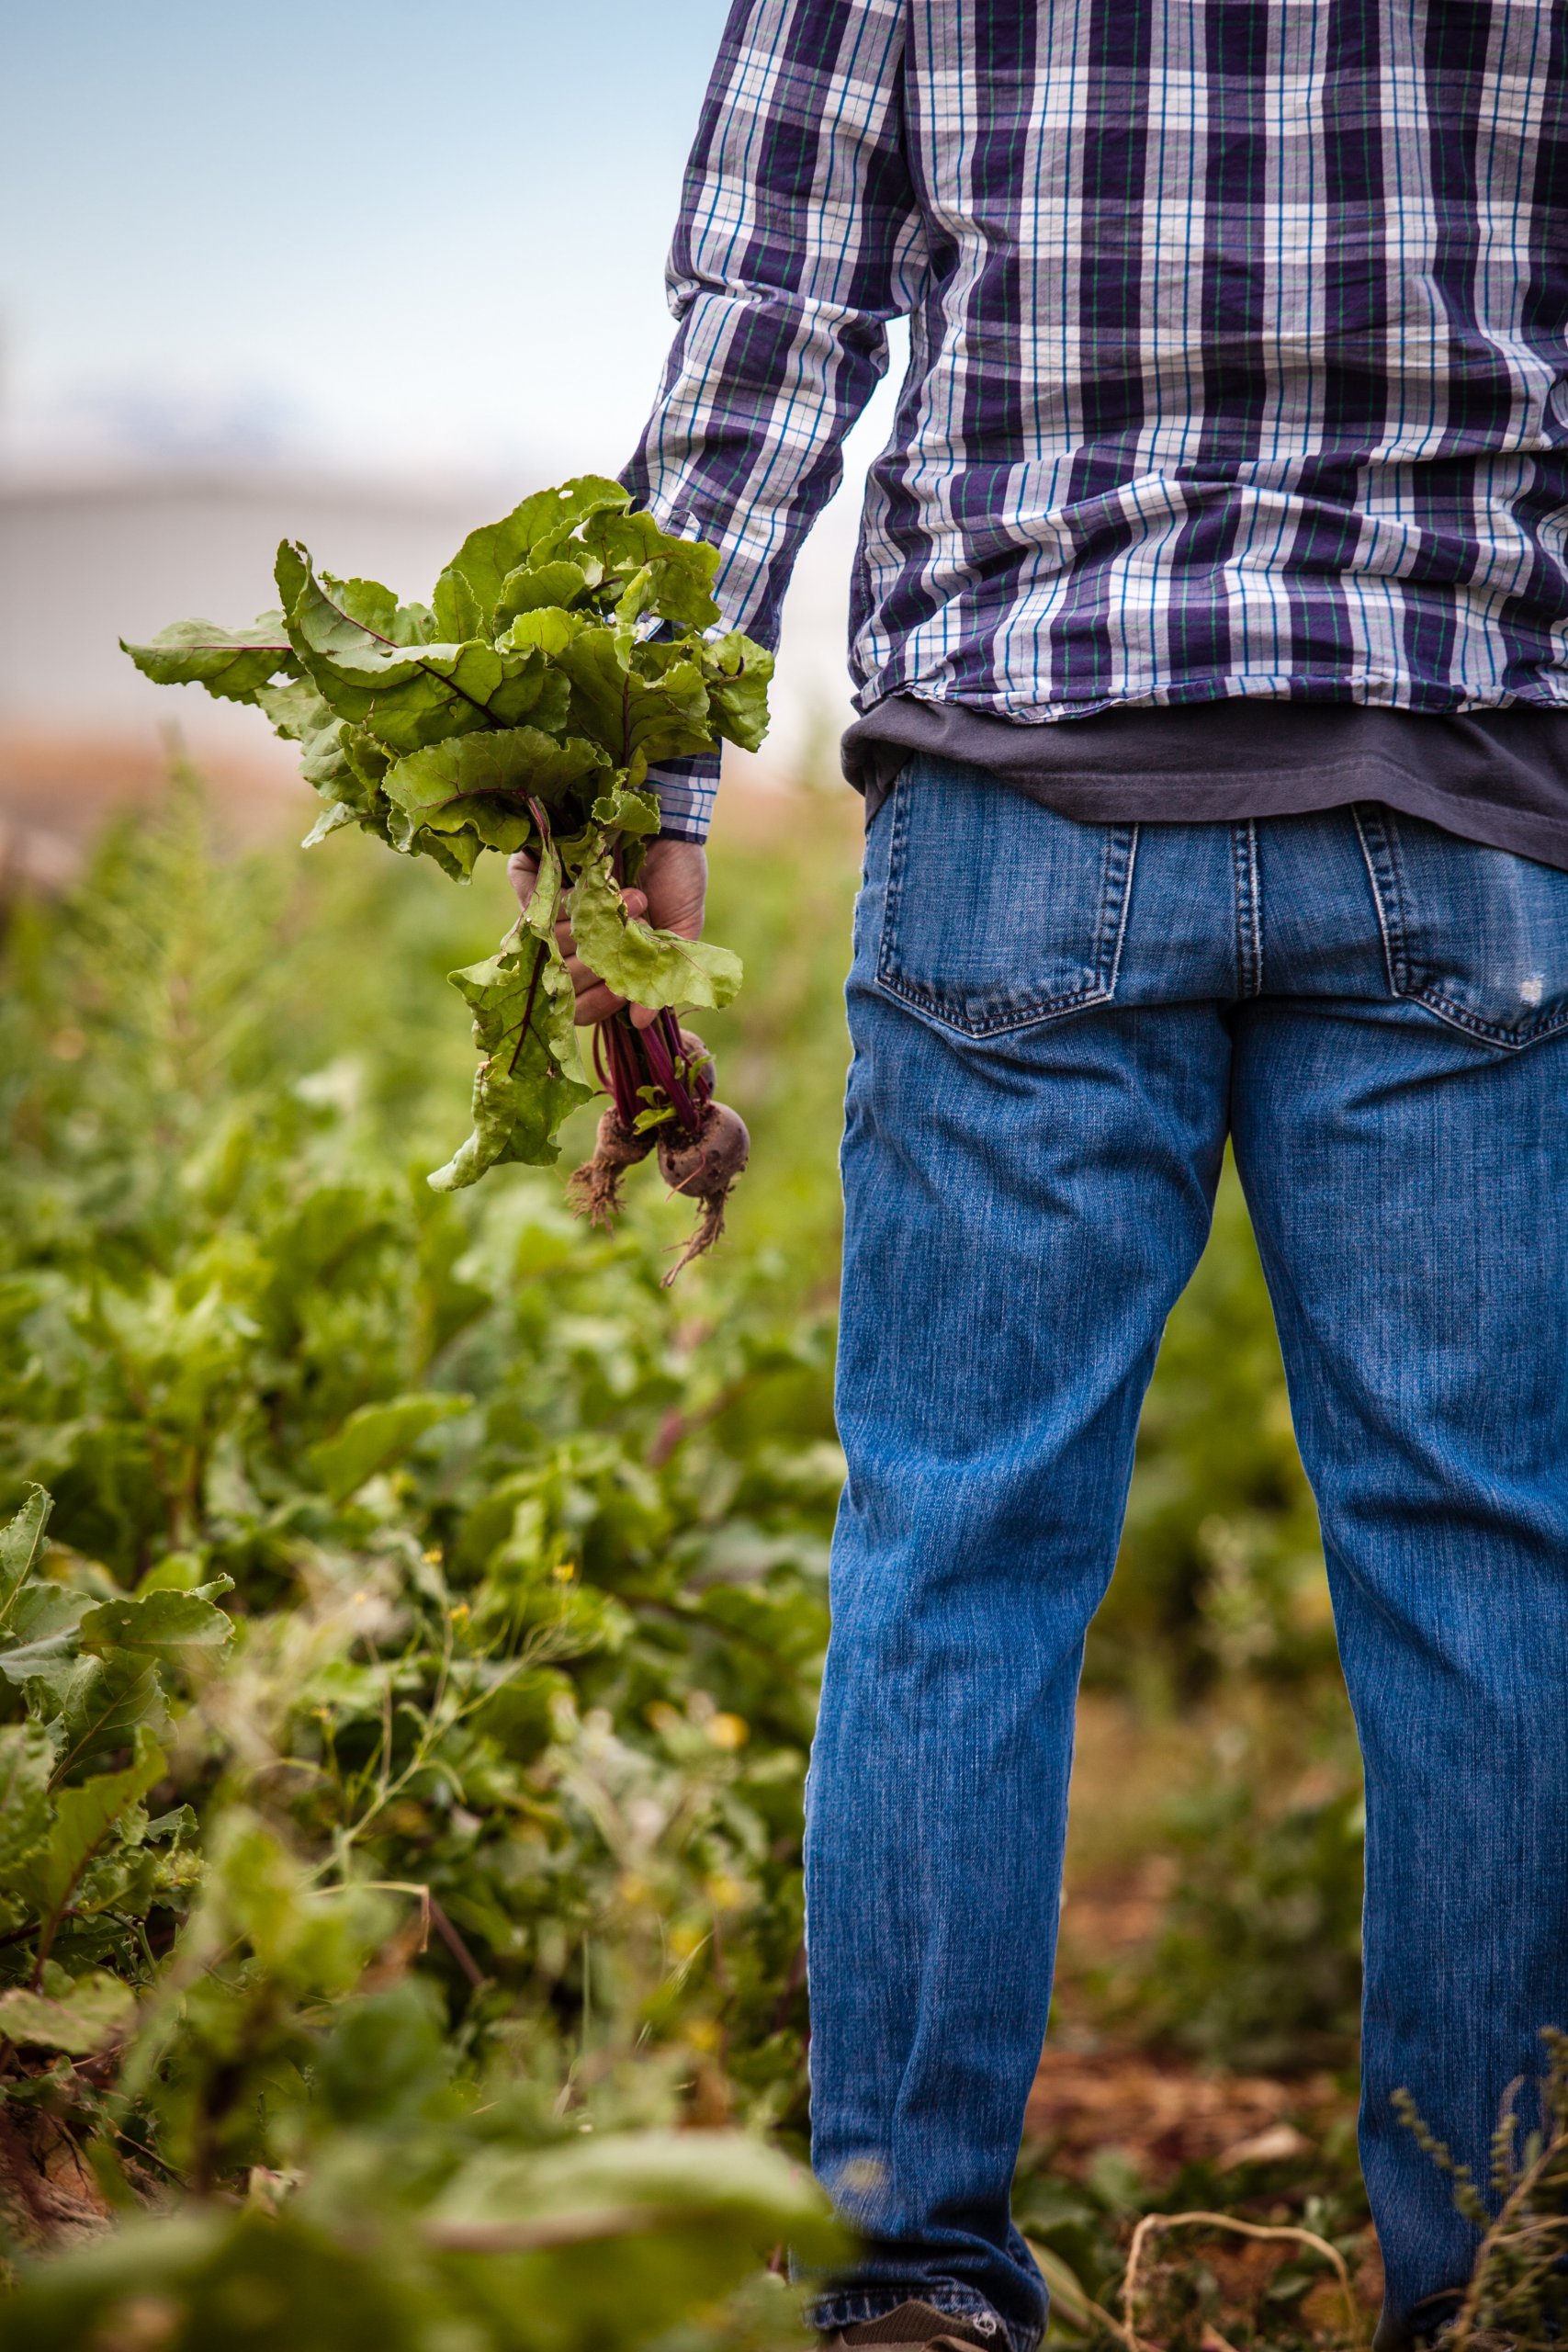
661,1068
626,1059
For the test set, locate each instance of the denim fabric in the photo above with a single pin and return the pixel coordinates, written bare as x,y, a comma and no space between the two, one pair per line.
1056,1027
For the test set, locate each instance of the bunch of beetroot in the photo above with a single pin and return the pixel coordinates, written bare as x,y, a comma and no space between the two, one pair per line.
565,649
660,1082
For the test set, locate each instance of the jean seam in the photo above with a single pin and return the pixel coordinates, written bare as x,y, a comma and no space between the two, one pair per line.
1379,853
1122,844
1248,909
1020,1017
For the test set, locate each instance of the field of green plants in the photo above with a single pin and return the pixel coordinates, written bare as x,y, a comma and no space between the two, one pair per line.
410,1618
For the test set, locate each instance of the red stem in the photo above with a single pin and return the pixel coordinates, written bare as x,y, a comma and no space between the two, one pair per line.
626,1059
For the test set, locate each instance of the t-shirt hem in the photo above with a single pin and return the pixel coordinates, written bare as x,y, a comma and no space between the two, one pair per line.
1188,790
1112,800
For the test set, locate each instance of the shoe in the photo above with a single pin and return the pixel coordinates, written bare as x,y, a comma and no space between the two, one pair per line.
917,2327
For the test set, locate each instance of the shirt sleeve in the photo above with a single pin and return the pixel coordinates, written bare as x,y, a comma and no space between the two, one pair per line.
799,238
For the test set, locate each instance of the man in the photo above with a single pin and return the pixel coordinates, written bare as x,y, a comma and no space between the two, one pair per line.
1211,638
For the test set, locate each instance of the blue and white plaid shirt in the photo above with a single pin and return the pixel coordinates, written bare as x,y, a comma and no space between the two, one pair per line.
1239,347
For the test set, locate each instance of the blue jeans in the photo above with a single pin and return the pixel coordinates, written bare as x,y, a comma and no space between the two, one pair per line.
1056,1027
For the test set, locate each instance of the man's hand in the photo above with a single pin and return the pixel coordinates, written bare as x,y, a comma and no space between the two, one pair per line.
669,893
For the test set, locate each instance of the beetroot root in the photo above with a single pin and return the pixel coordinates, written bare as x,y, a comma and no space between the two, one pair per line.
594,1189
702,1167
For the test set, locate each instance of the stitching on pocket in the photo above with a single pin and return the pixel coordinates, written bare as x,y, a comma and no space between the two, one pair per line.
1110,928
1382,871
1459,1017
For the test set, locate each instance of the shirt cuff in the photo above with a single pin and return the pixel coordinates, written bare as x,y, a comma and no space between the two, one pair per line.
686,790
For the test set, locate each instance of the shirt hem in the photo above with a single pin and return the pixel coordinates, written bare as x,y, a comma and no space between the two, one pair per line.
1190,789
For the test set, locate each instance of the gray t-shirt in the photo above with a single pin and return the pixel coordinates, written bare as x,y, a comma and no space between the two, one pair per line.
1497,776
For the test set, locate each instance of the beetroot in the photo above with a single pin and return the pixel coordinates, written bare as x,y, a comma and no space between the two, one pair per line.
703,1167
594,1189
664,1074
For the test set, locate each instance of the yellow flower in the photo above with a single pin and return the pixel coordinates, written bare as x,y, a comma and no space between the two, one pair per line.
729,1731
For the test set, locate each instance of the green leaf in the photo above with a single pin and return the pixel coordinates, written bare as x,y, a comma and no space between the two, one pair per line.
646,966
529,688
27,1765
38,1625
156,1620
97,2010
83,1819
621,811
549,631
376,608
545,587
673,576
739,674
43,1608
406,700
712,2181
101,1701
40,1661
484,782
530,1079
331,632
231,664
374,1438
469,592
294,709
331,820
638,718
21,1546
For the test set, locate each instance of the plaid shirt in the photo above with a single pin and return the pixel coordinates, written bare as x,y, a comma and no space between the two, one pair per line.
1239,347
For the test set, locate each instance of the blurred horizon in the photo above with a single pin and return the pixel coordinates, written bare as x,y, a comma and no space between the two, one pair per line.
345,273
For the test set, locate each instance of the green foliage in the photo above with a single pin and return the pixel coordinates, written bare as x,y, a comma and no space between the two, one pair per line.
1221,1570
1259,1960
530,1079
648,2237
575,654
403,1714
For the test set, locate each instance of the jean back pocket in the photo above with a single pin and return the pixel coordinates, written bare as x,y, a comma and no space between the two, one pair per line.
998,912
1477,936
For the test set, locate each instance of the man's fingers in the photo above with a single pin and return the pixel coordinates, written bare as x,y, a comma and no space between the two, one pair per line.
595,1003
595,1000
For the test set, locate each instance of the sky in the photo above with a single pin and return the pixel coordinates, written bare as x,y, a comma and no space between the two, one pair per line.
387,231
414,243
